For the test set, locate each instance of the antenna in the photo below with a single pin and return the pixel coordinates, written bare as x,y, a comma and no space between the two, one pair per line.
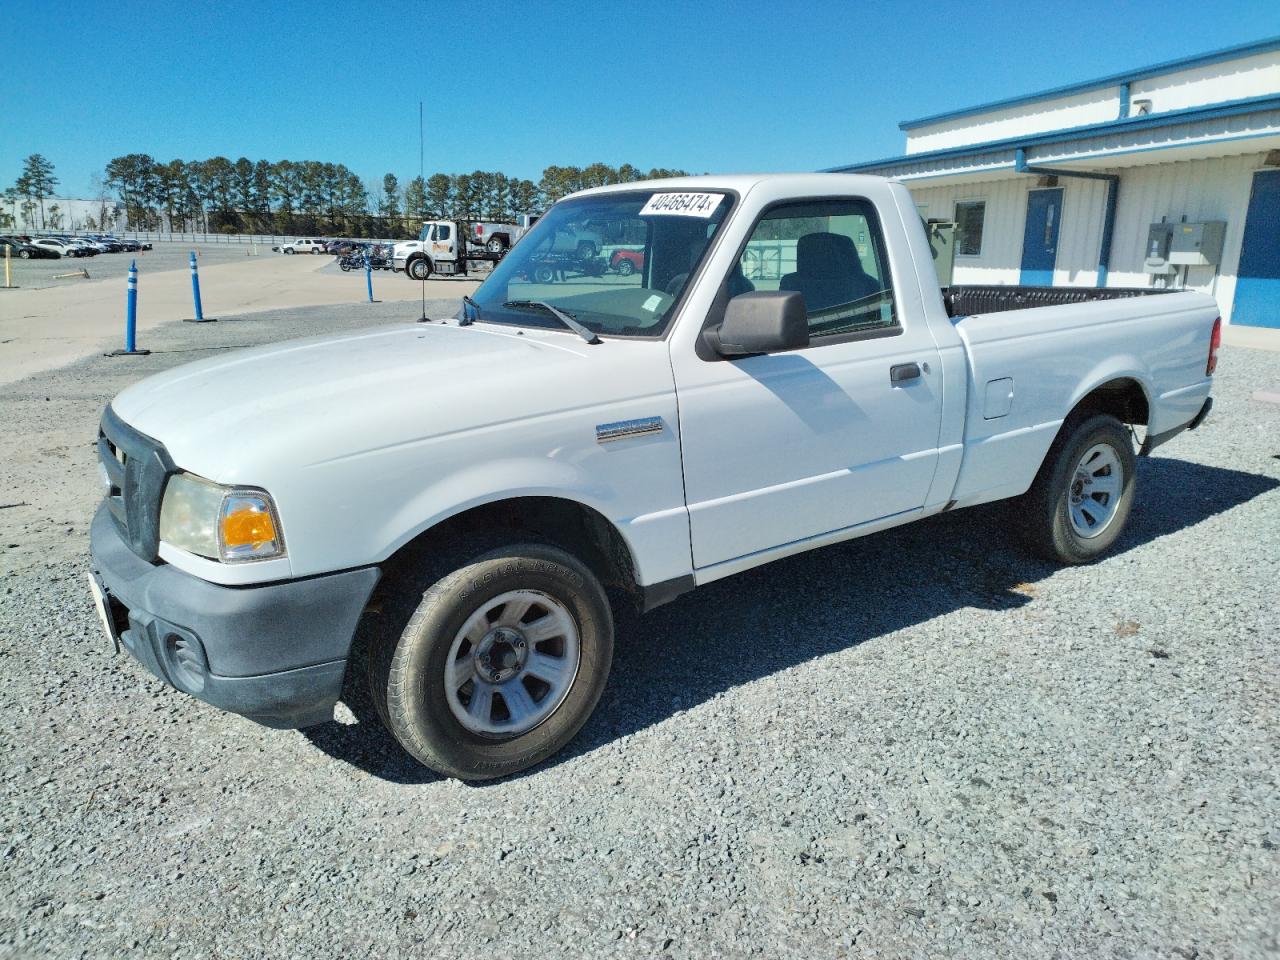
422,180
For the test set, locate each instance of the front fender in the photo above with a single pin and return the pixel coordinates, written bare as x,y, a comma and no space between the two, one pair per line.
482,484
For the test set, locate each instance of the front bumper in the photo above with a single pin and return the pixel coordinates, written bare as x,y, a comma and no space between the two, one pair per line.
275,653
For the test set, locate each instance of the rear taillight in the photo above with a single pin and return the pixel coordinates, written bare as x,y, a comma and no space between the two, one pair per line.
479,230
1215,342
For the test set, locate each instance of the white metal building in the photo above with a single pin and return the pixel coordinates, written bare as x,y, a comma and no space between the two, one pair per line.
1061,187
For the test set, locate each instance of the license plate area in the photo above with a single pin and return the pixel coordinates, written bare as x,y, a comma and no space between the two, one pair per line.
111,613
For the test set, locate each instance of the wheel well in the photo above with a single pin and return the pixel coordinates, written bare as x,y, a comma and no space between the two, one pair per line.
584,532
1123,398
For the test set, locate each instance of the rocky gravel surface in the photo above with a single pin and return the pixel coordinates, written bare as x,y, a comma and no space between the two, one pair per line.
920,744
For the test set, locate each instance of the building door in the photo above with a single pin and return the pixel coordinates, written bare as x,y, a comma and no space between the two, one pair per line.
1257,302
1040,239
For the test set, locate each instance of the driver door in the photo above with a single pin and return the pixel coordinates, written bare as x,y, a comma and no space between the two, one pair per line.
779,448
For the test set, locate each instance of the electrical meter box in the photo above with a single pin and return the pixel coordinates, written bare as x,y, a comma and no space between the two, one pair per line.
1197,244
1159,240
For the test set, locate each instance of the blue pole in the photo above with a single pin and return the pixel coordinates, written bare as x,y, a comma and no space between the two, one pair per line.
195,293
195,288
368,276
131,318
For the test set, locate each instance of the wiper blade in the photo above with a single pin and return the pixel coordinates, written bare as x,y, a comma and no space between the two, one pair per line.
465,320
565,318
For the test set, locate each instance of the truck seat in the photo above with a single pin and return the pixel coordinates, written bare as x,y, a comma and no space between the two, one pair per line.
828,272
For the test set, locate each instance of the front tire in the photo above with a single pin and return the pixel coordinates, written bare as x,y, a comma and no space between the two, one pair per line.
626,267
24,254
1080,501
418,268
500,664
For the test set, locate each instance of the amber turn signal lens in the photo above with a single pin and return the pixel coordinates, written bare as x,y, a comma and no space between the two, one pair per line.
247,527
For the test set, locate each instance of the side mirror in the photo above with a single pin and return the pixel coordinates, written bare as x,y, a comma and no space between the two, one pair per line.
763,321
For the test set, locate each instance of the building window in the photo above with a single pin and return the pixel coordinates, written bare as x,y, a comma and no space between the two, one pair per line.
969,217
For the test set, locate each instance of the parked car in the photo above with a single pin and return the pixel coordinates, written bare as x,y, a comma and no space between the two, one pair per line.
481,502
302,246
627,262
58,247
24,251
92,245
110,244
341,248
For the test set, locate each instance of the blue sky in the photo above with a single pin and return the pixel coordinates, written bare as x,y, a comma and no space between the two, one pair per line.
709,86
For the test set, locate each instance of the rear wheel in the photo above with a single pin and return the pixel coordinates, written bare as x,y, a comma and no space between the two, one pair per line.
625,267
495,245
418,268
586,250
543,273
24,254
499,664
1080,501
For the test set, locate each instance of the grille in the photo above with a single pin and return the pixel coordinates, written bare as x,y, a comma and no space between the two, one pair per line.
136,467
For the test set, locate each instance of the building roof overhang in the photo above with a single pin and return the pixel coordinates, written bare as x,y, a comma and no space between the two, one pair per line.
1220,129
1142,73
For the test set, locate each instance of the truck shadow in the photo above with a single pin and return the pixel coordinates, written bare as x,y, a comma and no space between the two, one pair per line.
792,611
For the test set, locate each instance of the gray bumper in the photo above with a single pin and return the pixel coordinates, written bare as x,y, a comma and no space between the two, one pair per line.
275,653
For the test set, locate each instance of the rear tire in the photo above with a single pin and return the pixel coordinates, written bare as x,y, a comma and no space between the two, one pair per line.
24,254
1080,501
626,267
495,245
446,685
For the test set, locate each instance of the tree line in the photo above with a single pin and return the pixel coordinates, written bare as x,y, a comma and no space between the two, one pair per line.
220,195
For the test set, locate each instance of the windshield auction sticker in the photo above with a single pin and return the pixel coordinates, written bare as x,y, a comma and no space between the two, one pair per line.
682,204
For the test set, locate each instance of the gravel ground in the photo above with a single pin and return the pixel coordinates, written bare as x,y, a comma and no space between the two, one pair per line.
919,744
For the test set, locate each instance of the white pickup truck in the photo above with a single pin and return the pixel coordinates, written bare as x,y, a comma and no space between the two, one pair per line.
478,494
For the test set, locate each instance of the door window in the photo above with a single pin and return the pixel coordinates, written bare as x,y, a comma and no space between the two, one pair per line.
833,254
443,232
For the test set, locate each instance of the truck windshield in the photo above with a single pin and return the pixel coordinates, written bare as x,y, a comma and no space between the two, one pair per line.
617,262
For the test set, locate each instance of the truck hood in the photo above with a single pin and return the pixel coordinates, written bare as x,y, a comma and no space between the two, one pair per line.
311,401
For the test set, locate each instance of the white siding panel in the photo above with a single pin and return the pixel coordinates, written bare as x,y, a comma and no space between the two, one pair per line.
1211,189
1255,76
1244,77
1039,116
1214,189
1002,227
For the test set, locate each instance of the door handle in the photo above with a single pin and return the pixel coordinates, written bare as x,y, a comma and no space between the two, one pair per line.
903,371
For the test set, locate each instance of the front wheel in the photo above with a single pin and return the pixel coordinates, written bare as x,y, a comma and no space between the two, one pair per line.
499,665
1078,505
418,269
24,254
626,268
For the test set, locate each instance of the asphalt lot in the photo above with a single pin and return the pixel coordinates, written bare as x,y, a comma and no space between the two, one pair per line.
166,255
919,744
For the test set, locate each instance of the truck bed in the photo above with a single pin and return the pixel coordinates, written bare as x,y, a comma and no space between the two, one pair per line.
964,300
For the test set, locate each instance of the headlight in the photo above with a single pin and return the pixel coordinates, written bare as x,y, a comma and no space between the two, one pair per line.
219,522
